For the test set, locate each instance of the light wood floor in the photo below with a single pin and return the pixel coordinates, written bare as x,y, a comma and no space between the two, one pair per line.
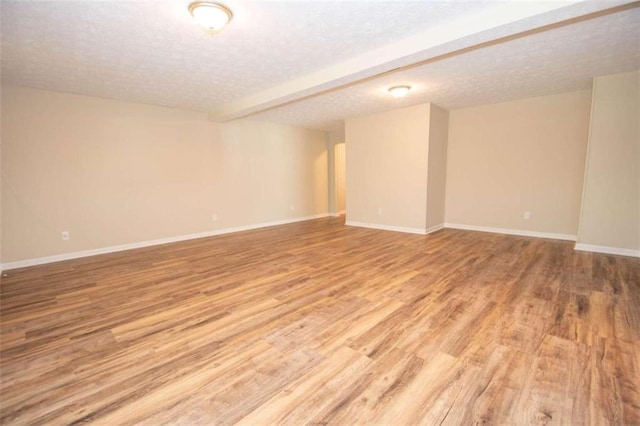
320,323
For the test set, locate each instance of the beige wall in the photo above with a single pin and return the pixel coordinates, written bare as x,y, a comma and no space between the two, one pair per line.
340,166
387,168
611,203
1,173
334,138
508,158
437,168
114,173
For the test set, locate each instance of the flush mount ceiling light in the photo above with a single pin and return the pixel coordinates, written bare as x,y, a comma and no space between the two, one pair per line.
399,91
210,15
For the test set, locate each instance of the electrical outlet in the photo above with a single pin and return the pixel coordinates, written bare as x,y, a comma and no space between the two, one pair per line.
65,235
379,211
291,207
526,216
214,217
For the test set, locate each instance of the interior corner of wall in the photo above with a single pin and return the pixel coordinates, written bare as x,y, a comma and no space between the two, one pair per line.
586,162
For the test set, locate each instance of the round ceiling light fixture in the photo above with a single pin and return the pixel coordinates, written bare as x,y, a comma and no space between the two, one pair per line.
210,15
399,91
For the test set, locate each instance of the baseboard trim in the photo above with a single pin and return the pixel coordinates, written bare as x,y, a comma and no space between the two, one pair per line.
607,250
131,246
434,228
123,247
386,227
518,232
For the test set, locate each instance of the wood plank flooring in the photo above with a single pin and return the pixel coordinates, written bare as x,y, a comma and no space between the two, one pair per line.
318,323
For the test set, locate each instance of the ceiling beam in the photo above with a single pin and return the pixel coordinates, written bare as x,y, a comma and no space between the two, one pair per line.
494,24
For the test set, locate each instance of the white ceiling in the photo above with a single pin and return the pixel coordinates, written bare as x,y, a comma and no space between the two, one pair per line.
152,52
559,60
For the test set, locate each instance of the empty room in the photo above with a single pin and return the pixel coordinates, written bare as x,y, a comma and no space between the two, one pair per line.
320,212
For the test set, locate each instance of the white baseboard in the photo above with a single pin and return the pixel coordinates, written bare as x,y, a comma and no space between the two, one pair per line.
434,228
341,212
386,227
607,250
112,249
521,233
141,244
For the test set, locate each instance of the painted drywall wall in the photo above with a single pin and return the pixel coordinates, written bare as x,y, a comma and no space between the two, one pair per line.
437,168
611,203
340,166
1,179
386,170
523,156
114,173
333,138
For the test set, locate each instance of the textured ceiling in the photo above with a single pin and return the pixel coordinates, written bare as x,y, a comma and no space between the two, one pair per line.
554,61
152,52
